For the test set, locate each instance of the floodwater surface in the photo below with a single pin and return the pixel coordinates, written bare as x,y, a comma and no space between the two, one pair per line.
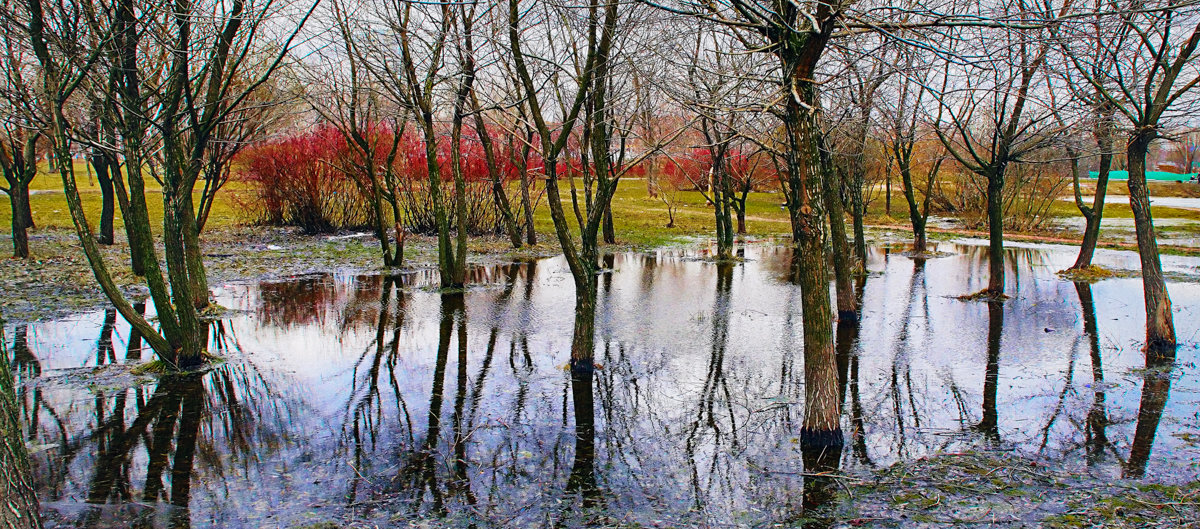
377,401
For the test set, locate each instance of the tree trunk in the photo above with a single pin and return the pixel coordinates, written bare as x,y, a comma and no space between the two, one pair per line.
860,235
137,220
821,430
460,208
18,501
1094,214
447,264
185,342
141,240
18,198
27,207
377,213
526,201
1091,230
831,186
916,215
722,198
582,479
741,216
887,204
610,234
995,209
104,176
197,275
1160,325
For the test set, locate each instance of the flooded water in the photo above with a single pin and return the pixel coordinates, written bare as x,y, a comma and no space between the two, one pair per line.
366,400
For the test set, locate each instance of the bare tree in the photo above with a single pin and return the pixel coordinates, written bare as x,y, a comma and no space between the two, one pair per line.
796,35
717,82
188,108
465,47
867,66
20,135
906,129
410,57
350,100
991,115
1146,70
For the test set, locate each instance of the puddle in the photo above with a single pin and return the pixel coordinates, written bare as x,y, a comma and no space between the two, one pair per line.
368,400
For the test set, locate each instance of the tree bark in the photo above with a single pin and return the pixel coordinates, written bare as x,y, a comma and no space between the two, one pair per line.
610,233
18,501
995,210
104,175
1160,325
860,234
175,216
19,170
527,206
741,216
1091,229
831,186
821,430
18,199
1094,214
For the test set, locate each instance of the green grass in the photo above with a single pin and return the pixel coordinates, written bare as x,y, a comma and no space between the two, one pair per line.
49,205
1119,209
640,220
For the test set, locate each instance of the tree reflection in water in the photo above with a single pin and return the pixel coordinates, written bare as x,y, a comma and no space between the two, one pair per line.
989,426
224,414
687,416
720,438
1156,388
1096,423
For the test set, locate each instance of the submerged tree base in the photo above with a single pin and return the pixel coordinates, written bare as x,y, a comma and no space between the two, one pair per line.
162,367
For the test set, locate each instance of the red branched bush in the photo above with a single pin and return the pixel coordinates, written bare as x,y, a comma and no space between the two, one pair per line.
317,181
297,183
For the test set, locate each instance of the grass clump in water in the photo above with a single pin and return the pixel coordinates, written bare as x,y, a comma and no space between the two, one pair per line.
983,295
1087,274
162,367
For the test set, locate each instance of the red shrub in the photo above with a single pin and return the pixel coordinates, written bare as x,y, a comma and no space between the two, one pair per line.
297,183
315,179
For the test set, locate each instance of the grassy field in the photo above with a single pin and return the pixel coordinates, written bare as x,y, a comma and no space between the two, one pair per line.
640,219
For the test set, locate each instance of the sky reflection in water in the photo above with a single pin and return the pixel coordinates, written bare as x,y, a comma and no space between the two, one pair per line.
381,400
